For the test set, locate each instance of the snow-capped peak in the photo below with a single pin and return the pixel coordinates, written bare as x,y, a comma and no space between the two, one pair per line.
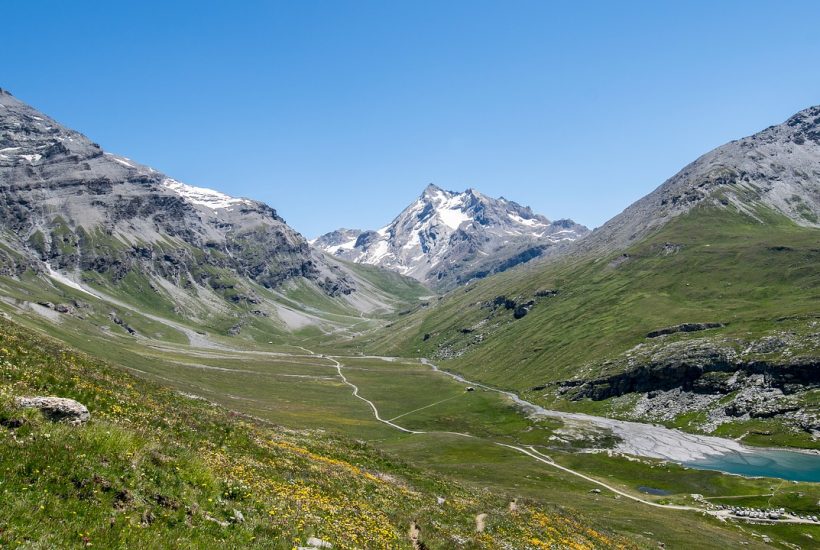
444,232
202,196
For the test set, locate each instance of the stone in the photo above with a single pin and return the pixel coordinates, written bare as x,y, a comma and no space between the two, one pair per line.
546,292
480,522
415,536
58,409
520,311
212,519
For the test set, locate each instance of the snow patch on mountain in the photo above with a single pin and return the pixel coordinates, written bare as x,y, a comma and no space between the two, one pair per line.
202,196
63,279
120,160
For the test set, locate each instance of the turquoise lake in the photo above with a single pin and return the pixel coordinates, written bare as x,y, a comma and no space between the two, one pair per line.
767,463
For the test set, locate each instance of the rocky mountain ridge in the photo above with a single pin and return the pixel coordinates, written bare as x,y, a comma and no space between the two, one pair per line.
446,238
75,214
775,168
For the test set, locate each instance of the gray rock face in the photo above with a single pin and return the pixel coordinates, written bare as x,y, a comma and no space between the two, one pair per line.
754,398
727,379
704,366
335,240
58,409
446,238
68,206
778,168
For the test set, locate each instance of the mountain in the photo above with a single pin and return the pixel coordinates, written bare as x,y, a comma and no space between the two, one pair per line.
446,238
338,241
707,322
776,169
109,227
696,306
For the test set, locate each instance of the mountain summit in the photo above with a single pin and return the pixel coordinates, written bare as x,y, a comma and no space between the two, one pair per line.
445,238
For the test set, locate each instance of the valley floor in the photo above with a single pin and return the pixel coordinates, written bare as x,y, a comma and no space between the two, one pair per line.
489,439
447,425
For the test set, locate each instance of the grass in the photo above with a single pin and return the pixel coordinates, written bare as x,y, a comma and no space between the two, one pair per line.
757,278
283,390
155,469
391,283
331,442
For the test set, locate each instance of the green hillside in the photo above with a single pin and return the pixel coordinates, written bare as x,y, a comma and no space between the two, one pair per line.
156,469
710,265
760,280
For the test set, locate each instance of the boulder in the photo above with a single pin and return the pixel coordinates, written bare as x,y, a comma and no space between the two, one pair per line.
546,293
238,517
520,312
57,409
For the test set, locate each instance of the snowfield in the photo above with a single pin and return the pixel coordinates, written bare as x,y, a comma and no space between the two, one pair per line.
202,196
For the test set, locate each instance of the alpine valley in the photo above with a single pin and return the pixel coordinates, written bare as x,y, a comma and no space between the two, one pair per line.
180,368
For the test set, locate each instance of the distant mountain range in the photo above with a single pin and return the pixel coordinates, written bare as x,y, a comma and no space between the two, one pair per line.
446,238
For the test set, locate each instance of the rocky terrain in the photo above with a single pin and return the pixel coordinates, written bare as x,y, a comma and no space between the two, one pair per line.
776,168
446,238
725,378
774,171
78,215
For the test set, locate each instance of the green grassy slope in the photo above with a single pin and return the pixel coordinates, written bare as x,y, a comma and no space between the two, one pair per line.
390,282
296,310
156,469
290,387
707,266
300,392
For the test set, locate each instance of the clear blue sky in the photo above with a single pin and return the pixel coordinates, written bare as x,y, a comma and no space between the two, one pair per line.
339,113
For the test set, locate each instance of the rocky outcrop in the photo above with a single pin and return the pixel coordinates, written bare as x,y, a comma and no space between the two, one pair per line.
750,398
685,327
519,306
58,409
705,371
759,401
721,379
119,322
